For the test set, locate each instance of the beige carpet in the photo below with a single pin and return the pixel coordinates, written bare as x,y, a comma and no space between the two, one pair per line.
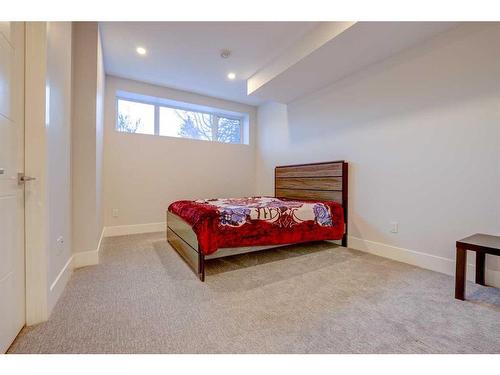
317,298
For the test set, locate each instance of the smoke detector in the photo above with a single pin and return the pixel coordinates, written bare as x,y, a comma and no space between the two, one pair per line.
225,53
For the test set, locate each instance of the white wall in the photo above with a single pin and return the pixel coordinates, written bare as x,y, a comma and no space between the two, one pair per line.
58,125
48,144
421,133
143,174
87,138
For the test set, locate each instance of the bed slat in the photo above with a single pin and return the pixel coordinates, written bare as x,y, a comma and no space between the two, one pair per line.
310,183
324,195
333,169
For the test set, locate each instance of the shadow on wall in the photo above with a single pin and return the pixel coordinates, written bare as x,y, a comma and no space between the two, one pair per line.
359,226
436,73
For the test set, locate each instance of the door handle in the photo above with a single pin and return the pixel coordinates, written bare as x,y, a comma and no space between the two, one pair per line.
21,178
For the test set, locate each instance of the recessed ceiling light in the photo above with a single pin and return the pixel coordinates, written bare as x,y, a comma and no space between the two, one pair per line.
231,75
141,50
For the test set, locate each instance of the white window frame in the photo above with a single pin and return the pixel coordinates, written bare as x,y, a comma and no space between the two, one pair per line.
215,114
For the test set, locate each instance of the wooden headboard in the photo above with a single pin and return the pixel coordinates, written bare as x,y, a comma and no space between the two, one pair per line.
314,181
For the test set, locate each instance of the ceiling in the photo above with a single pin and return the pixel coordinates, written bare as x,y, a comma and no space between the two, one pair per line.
346,49
186,55
278,61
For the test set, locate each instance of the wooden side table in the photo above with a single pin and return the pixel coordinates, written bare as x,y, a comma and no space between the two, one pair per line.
482,244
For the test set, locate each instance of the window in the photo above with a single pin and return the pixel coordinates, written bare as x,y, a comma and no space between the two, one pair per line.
185,124
135,117
155,116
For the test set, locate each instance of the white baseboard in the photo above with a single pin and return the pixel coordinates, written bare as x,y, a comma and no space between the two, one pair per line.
419,259
77,260
59,284
122,230
85,258
88,258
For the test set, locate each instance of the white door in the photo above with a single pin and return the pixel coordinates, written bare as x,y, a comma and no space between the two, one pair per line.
12,271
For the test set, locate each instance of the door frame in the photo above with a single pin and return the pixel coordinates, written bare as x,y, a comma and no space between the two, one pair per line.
36,214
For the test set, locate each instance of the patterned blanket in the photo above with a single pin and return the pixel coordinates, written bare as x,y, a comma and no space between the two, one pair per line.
259,221
236,212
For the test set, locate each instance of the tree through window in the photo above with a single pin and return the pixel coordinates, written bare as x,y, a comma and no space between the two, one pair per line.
157,119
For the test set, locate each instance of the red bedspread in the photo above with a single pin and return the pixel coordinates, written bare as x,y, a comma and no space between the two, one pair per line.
259,221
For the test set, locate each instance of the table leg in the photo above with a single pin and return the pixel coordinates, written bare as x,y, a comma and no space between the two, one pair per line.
460,274
480,263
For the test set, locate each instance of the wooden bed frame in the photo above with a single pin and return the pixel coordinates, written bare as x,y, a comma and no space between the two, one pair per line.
314,181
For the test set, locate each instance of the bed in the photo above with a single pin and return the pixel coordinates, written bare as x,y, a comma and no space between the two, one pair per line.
309,204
